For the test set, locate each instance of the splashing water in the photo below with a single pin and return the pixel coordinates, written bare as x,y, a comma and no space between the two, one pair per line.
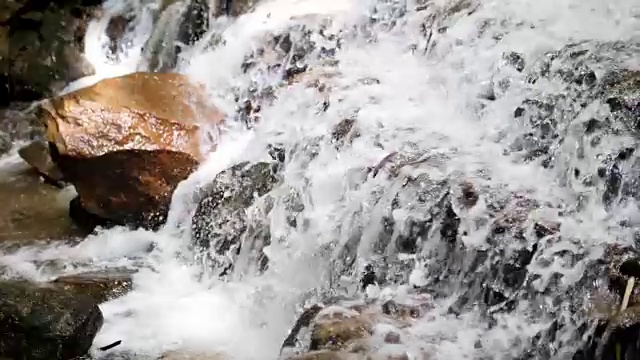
425,99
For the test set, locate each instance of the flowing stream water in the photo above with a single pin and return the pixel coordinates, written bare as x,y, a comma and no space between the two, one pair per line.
428,80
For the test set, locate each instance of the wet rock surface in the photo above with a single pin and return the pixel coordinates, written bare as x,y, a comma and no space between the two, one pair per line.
100,286
362,330
592,76
434,219
222,220
45,323
614,329
285,58
125,143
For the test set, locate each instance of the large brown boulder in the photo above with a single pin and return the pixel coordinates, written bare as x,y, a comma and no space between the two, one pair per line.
41,46
125,143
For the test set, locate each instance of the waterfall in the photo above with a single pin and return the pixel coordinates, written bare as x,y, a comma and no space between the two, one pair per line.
483,136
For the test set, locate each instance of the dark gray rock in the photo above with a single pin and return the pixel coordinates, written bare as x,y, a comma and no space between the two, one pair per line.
45,323
282,57
592,77
220,220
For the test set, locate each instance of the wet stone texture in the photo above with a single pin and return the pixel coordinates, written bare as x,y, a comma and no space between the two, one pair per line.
126,143
421,228
373,330
45,323
100,286
592,81
614,332
222,218
283,59
595,107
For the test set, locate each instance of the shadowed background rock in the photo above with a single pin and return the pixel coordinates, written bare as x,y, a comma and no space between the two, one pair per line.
41,46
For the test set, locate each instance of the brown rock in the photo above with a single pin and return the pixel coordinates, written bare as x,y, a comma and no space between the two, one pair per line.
346,333
37,155
304,321
126,142
101,286
404,312
334,332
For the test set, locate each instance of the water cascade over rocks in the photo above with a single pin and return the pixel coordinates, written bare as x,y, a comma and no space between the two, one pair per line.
427,179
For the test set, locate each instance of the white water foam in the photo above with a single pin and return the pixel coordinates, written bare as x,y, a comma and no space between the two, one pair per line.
419,100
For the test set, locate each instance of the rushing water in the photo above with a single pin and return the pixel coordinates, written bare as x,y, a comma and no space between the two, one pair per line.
429,101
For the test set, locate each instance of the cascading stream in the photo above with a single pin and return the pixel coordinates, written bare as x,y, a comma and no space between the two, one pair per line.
438,82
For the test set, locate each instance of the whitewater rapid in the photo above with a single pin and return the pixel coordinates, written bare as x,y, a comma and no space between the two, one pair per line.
425,102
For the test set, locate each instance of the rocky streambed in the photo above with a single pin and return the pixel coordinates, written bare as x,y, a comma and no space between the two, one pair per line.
467,197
